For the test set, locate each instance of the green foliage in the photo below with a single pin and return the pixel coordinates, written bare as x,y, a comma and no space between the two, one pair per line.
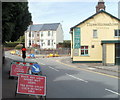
10,44
15,20
19,46
66,44
21,39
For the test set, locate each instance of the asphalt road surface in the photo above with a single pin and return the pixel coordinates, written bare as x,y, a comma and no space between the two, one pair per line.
64,81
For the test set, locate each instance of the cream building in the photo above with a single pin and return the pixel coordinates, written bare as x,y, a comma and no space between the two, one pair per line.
96,39
47,36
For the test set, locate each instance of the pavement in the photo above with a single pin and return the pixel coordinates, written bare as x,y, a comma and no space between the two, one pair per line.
98,67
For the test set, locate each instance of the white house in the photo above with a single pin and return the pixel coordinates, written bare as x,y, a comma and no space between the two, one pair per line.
45,35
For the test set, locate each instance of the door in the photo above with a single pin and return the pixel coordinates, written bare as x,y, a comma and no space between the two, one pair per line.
117,54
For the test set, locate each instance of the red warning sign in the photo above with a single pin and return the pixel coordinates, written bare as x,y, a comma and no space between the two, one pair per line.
17,69
31,84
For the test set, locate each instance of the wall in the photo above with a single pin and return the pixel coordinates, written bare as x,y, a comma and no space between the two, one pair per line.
110,54
59,34
105,32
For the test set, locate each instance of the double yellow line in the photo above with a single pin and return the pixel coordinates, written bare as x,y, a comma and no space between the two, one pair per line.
89,70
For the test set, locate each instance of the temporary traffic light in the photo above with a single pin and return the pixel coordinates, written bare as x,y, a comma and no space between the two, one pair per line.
23,53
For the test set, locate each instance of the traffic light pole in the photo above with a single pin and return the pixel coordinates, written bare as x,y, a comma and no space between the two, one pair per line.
23,59
23,52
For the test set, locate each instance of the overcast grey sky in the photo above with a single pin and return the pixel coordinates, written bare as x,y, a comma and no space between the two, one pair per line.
67,13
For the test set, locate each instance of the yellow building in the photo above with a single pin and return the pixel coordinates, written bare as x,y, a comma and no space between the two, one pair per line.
96,39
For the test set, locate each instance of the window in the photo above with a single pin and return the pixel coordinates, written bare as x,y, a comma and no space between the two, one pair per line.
41,34
48,33
32,42
93,46
29,42
52,42
32,35
84,50
42,43
37,34
95,34
117,33
48,42
37,40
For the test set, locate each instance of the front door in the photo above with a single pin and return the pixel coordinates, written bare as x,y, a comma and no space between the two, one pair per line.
117,54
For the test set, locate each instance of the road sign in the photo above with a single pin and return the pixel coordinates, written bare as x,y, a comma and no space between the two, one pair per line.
35,68
17,69
31,84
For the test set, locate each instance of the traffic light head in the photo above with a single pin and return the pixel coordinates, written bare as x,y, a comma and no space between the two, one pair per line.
24,53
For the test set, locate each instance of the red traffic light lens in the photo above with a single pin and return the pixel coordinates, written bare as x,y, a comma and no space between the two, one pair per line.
17,62
24,62
23,49
31,63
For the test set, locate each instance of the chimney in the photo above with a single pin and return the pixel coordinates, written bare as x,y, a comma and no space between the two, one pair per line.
100,6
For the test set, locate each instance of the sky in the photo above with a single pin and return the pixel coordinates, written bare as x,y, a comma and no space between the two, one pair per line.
68,13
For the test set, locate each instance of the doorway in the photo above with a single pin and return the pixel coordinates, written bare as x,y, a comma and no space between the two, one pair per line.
117,53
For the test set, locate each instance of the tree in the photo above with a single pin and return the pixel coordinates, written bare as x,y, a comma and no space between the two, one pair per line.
65,44
15,20
21,39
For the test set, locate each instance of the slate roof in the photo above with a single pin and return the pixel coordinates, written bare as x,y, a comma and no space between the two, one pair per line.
43,27
101,11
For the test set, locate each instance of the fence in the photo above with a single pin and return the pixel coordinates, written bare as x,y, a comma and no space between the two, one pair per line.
64,51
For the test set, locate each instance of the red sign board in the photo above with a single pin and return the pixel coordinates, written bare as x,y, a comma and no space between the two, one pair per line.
31,84
17,69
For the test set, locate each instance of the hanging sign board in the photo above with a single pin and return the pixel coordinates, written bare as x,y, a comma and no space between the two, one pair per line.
31,84
77,38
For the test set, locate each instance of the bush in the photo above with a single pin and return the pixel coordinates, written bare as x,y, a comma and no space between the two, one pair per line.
19,46
11,44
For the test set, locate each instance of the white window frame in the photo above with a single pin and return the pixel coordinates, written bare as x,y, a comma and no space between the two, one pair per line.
84,50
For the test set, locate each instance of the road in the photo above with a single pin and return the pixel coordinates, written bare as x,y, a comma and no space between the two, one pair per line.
64,81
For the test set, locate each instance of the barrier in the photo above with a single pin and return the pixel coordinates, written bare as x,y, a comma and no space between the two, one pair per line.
18,67
31,84
30,81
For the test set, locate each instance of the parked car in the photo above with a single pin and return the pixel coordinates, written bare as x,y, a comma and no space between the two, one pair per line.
53,55
13,52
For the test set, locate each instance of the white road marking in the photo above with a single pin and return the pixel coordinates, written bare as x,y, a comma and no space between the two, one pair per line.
53,68
112,91
42,63
76,78
91,68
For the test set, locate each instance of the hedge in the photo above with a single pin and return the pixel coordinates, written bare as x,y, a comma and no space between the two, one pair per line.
19,46
11,44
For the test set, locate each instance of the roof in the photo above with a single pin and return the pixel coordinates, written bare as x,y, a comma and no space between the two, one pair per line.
101,11
43,27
